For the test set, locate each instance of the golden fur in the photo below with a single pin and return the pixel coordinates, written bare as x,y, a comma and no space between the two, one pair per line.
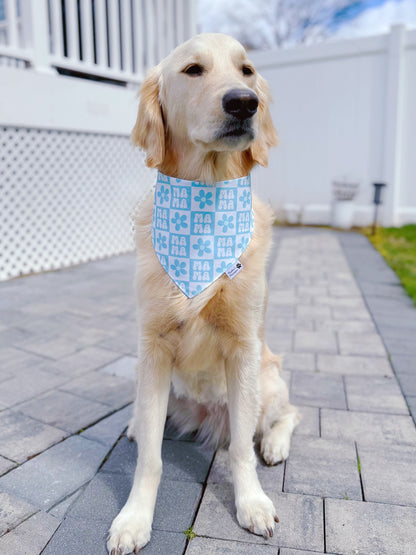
225,380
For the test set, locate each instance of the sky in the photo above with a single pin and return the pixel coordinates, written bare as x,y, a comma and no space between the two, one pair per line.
265,24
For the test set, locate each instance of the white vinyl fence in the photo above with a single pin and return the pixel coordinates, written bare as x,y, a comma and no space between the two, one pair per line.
113,39
344,111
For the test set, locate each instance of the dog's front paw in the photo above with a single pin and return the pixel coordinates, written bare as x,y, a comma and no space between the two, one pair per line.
275,446
129,532
257,514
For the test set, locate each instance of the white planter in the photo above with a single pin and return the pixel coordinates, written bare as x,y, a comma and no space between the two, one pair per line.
342,214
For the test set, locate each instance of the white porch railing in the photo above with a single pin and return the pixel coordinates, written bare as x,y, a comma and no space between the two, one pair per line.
112,39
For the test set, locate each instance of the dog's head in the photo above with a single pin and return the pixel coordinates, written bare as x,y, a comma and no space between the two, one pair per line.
207,94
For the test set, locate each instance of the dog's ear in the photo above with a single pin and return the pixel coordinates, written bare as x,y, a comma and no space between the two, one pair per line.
267,136
149,130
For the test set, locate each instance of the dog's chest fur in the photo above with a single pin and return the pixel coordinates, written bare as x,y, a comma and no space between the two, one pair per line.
199,334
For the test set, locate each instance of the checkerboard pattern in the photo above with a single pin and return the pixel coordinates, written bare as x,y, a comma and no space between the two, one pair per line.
199,230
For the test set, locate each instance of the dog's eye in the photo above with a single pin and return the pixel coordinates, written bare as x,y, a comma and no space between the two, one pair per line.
247,70
194,70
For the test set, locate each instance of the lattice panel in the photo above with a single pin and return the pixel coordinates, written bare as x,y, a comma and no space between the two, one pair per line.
66,198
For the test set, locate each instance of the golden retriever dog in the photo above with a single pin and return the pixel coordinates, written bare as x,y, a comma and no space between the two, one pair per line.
204,117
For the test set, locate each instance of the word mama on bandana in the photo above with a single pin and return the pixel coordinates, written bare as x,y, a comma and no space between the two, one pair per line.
199,230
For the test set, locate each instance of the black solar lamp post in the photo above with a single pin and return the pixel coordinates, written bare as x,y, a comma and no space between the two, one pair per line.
378,187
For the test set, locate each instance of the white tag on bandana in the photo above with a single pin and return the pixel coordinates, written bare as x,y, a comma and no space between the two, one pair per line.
199,231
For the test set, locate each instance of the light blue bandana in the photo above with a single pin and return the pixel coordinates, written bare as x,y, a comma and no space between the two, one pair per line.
199,231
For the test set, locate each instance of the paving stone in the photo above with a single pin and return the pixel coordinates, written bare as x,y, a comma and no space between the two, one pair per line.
322,341
375,394
309,423
411,401
271,477
123,367
312,290
323,467
344,290
388,290
12,336
353,527
317,390
107,493
299,361
76,536
122,343
182,460
31,536
343,303
288,324
367,427
300,526
109,429
22,437
14,360
353,326
202,546
354,365
403,344
64,410
389,473
285,551
361,344
115,392
60,509
275,310
53,347
404,364
6,465
283,296
13,511
347,313
28,385
56,473
408,383
312,312
279,341
85,360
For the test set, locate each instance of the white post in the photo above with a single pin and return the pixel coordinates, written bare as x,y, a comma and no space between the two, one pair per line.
150,46
71,12
114,28
393,124
192,18
126,37
138,37
56,29
11,18
101,33
87,32
37,13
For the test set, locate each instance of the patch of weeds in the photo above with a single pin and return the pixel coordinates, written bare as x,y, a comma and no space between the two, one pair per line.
346,497
189,533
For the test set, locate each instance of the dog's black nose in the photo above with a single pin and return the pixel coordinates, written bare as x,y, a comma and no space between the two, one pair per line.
240,103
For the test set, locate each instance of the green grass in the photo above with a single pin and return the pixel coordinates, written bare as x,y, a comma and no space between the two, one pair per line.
398,246
189,533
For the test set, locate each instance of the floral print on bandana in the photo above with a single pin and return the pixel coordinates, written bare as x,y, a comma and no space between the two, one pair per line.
200,230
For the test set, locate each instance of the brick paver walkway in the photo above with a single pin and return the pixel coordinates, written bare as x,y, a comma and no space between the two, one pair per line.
67,354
